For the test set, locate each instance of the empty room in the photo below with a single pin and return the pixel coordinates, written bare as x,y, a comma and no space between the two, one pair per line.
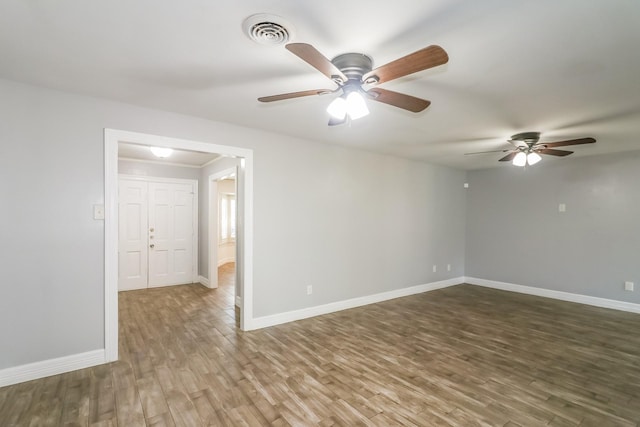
279,213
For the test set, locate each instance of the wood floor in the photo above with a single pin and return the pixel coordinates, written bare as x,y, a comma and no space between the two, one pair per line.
461,356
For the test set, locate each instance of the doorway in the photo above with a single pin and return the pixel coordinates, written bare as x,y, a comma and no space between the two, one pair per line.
223,247
244,236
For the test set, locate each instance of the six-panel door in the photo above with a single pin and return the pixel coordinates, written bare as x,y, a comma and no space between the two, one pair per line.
170,234
132,235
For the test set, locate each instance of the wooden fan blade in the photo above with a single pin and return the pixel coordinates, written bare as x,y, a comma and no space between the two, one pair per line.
294,95
310,55
400,100
423,59
552,152
485,152
508,157
334,122
570,142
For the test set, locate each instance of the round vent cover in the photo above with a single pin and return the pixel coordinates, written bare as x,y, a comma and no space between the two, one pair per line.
267,29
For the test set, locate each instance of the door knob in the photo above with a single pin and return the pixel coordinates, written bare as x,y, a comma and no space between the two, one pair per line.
151,229
152,246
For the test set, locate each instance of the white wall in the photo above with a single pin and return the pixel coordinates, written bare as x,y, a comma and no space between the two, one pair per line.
129,167
516,234
350,223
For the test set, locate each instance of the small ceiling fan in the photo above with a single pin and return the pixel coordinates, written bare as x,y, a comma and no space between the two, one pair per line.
352,71
527,148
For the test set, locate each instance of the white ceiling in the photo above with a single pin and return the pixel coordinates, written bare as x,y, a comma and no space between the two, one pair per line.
567,68
129,151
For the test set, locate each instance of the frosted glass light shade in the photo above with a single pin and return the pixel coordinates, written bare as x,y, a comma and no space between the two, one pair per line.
161,152
533,158
338,108
520,159
356,107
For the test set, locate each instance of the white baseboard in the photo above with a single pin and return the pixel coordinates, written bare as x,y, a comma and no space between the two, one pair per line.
559,295
204,281
47,368
238,301
224,261
290,316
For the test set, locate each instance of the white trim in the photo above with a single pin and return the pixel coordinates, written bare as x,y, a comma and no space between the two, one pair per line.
110,247
238,301
212,161
559,295
147,178
246,309
111,139
290,316
204,281
46,368
159,162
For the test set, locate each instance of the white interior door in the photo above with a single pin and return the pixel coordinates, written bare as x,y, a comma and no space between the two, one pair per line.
132,235
171,234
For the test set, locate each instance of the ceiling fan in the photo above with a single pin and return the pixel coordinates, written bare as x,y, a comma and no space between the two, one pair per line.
352,71
527,148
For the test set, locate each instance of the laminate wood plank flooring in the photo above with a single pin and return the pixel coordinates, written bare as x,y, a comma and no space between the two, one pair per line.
460,356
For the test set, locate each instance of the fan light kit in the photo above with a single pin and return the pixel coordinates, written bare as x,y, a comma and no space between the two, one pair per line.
162,152
527,148
522,159
352,105
352,71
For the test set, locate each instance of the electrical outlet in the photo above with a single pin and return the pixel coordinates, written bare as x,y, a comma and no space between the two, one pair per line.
628,286
309,289
448,267
562,207
98,211
434,268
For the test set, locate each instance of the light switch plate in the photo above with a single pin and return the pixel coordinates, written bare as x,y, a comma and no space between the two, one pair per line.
98,211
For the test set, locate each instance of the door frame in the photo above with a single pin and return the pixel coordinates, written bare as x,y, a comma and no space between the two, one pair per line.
111,139
194,183
213,225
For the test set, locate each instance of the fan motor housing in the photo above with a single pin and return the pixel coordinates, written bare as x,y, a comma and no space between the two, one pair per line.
353,65
526,137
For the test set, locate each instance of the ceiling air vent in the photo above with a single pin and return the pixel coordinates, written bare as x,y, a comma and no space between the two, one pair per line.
267,29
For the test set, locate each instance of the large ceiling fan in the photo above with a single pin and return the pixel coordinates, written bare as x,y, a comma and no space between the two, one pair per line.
353,71
527,148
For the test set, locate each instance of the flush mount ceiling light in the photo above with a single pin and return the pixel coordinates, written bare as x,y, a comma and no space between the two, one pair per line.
527,148
267,29
161,152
